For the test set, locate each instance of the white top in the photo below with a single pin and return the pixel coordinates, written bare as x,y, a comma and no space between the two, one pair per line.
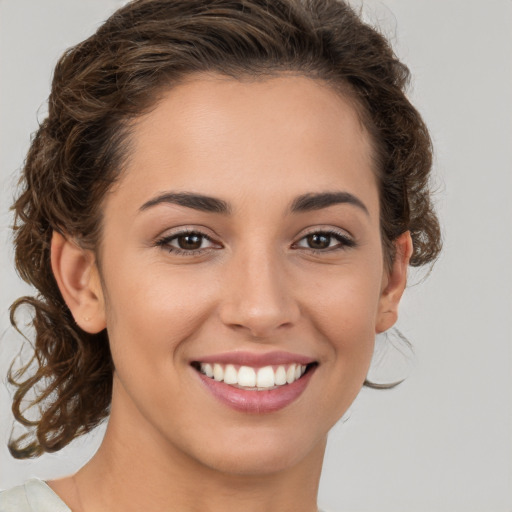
33,496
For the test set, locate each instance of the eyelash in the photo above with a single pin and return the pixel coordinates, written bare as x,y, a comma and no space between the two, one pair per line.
345,242
165,242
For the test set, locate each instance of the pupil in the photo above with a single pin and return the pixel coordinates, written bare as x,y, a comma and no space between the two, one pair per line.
190,242
319,241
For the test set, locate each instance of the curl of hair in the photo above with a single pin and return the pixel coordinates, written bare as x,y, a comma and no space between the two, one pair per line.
117,74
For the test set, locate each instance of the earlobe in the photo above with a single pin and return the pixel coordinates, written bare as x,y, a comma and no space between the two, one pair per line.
394,284
78,280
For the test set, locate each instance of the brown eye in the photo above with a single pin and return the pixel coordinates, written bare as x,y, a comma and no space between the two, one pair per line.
325,241
187,243
318,241
190,241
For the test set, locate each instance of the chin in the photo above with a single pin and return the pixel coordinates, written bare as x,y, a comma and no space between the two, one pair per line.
252,464
260,454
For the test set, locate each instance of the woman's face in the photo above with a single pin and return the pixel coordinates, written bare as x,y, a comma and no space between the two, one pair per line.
244,234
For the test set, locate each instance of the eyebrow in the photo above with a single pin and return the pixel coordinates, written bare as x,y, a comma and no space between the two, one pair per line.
317,201
304,203
190,200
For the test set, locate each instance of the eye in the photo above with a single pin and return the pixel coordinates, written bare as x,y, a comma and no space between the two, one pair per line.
325,241
187,243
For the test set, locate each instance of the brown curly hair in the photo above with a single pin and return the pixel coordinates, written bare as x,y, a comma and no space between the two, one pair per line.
78,152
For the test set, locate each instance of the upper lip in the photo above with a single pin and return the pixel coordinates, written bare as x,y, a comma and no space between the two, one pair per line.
256,360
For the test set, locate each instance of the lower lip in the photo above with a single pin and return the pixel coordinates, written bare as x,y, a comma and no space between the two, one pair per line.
257,401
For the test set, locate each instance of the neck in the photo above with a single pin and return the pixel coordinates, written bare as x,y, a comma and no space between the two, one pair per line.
134,471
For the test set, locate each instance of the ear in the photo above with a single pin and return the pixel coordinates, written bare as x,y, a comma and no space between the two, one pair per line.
393,284
79,283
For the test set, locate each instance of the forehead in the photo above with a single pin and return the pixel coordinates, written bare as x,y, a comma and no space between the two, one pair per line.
222,136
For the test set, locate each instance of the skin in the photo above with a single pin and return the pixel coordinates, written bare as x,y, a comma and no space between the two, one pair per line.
257,286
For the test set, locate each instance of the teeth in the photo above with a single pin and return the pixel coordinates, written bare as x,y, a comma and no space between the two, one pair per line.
280,377
230,375
207,369
246,377
267,377
218,372
290,374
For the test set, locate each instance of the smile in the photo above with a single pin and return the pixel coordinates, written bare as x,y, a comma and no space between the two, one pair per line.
253,379
255,383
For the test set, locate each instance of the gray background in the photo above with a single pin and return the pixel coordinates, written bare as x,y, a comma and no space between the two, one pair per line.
443,440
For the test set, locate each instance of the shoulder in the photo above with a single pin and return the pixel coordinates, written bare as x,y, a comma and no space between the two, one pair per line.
33,496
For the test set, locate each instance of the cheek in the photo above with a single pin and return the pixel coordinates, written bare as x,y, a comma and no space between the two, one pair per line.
152,312
351,339
344,309
151,317
345,304
348,326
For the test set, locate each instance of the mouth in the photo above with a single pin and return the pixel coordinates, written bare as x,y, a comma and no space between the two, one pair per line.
255,384
250,378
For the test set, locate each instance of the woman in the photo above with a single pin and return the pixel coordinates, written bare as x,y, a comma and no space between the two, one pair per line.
218,213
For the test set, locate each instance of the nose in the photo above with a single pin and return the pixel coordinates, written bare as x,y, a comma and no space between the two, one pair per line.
258,295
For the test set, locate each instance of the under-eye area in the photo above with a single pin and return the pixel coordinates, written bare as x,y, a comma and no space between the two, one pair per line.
250,378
